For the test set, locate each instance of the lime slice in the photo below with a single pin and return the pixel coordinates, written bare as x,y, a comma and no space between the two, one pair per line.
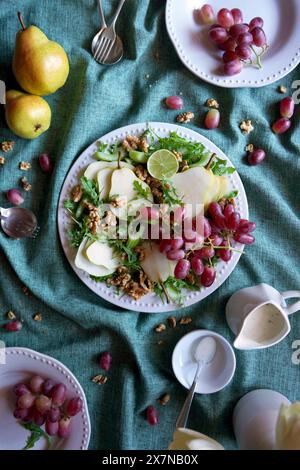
162,164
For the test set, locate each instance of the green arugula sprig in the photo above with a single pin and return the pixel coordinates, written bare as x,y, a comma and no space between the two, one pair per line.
169,193
36,433
219,167
90,190
143,192
174,289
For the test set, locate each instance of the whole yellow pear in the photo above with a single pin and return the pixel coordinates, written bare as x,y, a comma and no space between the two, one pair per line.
40,66
28,116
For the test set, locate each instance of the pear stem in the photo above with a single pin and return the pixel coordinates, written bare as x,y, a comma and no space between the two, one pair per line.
21,20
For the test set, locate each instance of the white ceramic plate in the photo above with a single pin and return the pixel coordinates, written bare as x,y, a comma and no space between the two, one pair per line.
21,364
149,303
281,17
213,377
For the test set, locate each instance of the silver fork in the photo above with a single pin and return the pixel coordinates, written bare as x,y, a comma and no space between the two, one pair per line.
107,37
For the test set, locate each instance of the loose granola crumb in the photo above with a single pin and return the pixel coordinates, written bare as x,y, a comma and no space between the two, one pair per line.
2,160
7,146
131,143
246,126
160,328
185,117
185,321
282,89
11,315
37,317
163,399
249,148
172,322
25,166
25,184
100,379
212,103
76,194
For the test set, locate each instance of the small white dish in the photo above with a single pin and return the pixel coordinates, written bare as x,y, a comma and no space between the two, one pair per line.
20,364
254,419
200,56
214,377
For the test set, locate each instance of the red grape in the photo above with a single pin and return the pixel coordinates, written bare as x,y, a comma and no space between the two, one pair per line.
105,360
216,239
45,163
64,427
228,45
197,265
51,428
21,413
244,238
38,418
225,18
229,56
164,246
256,23
176,243
233,68
53,415
281,126
256,157
74,406
217,215
246,226
212,119
174,102
225,254
287,107
21,389
229,209
245,39
218,35
175,255
178,214
243,52
36,383
206,14
149,213
14,325
238,29
26,400
152,415
59,394
182,269
42,404
14,196
205,253
48,386
201,225
237,15
190,235
30,415
208,276
233,221
259,37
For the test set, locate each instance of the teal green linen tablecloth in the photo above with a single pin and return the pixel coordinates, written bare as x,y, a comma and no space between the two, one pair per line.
77,325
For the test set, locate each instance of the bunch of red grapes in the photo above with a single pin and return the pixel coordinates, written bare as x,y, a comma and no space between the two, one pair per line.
235,37
43,401
220,228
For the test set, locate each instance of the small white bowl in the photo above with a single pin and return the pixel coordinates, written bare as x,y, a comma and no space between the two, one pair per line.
214,377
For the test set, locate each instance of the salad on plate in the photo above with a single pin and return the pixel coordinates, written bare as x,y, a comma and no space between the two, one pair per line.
155,215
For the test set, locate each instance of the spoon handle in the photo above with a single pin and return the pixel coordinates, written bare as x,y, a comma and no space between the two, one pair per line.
185,410
115,17
101,13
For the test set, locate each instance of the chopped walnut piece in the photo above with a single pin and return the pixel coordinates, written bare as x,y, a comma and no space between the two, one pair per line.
185,321
282,89
249,148
2,160
25,166
110,219
94,219
185,117
246,126
11,315
172,322
134,290
37,317
160,328
145,282
118,202
164,399
212,103
183,166
7,146
141,172
190,278
76,194
25,184
178,155
144,145
99,379
140,253
131,143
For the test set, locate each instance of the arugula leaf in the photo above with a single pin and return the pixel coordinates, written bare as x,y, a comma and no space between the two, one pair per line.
219,167
89,189
232,194
79,232
36,433
174,287
70,205
102,146
123,247
145,193
101,278
169,194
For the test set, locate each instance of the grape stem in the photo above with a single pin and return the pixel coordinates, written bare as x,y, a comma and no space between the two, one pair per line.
258,61
165,292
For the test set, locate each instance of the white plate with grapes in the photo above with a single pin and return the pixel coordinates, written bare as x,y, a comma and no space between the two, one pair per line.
42,404
153,217
235,43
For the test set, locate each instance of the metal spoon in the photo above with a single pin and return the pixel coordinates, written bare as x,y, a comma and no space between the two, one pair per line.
204,355
117,50
18,222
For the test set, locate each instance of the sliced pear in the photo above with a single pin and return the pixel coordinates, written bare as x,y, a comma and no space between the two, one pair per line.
82,262
92,170
104,182
156,265
101,254
223,187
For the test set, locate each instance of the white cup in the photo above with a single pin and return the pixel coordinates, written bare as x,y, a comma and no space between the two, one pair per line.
258,316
